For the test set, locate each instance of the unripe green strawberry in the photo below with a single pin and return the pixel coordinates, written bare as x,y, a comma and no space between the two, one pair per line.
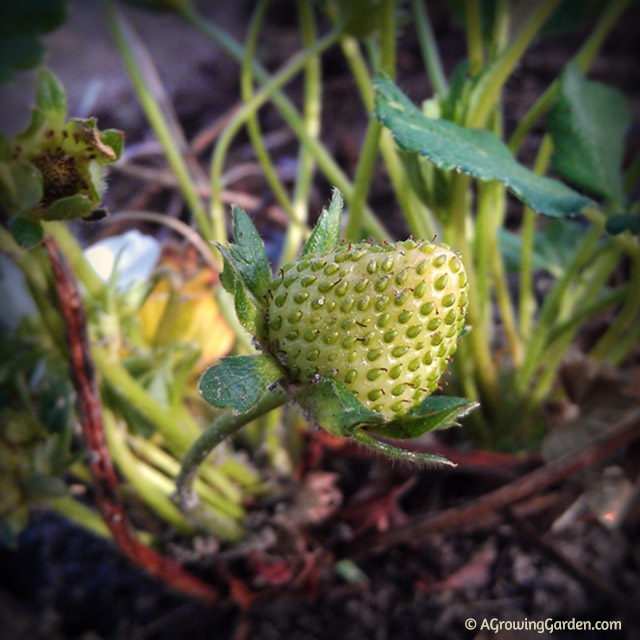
383,320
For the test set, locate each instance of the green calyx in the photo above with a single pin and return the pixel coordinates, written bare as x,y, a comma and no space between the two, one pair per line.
358,335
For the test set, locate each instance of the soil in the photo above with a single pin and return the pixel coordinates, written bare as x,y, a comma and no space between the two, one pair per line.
355,548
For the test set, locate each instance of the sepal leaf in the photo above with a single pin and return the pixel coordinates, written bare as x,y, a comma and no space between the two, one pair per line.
434,412
69,208
239,382
334,407
250,312
326,234
249,255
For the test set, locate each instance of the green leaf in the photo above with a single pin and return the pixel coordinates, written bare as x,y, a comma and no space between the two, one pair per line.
554,247
69,208
20,186
21,23
19,53
12,524
487,10
571,14
459,86
32,16
39,486
249,255
239,381
51,98
588,124
434,412
478,153
334,407
179,6
326,234
624,222
28,183
27,233
6,147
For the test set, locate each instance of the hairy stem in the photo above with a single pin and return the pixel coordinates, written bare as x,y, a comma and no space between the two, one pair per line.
221,428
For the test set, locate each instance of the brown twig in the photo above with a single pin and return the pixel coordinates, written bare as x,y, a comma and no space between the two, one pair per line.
624,431
90,413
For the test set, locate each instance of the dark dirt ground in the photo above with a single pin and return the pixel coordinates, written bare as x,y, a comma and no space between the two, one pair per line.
526,559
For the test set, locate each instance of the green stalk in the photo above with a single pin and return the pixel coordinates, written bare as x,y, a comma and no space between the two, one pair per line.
311,114
253,126
294,66
419,219
527,301
369,151
483,246
500,28
550,309
164,419
224,426
170,467
490,85
176,426
589,310
489,220
558,342
362,180
156,118
475,346
624,318
473,31
36,269
601,268
429,49
83,270
89,519
505,306
583,59
326,163
632,175
153,487
80,514
625,345
546,377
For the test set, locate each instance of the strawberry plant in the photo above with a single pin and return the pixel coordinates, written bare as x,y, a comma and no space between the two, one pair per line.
357,334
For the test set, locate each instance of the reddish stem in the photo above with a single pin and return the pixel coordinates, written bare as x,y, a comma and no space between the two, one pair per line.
101,465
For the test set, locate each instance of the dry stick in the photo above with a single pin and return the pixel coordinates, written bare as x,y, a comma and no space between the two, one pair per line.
90,413
624,431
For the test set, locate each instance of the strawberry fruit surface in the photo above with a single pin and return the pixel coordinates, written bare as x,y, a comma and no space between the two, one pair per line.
383,320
